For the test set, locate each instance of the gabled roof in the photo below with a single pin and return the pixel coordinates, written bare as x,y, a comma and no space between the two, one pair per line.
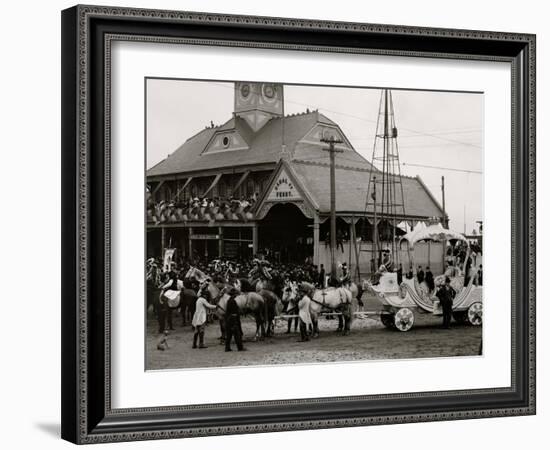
264,146
286,168
352,184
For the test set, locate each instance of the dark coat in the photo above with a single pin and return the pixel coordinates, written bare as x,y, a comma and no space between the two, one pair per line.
321,279
232,309
446,294
430,280
174,277
420,276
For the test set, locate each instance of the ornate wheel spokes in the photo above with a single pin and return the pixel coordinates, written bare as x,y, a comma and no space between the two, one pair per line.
475,314
404,319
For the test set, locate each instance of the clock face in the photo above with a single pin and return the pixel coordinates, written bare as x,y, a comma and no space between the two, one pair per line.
245,91
269,92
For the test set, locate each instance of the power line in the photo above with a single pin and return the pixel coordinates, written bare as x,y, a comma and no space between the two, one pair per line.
364,119
444,132
443,168
441,146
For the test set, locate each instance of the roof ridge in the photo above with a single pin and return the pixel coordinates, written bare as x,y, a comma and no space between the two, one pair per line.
194,136
342,166
319,163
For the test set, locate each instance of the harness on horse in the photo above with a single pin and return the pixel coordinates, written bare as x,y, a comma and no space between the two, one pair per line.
343,300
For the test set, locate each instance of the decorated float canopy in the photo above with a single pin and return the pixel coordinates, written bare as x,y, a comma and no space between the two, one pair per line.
434,232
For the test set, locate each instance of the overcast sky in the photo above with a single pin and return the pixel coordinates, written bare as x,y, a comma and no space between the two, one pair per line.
439,129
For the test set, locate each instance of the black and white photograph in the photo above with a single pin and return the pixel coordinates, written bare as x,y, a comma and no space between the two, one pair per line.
298,224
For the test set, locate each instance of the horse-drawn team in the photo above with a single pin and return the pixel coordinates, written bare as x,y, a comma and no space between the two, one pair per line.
301,293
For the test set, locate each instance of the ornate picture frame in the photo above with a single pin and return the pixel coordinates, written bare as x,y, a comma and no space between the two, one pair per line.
87,35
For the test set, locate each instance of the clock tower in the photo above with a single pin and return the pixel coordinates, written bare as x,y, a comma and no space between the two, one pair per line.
258,102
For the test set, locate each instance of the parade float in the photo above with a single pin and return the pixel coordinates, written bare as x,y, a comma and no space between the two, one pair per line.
402,303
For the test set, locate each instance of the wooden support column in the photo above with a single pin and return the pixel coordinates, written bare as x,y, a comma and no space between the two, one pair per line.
353,236
255,239
220,242
190,244
162,240
316,240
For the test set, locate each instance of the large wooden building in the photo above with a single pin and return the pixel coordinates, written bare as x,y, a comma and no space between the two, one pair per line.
259,183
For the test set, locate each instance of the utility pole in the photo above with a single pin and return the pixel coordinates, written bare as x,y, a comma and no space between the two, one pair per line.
464,218
375,227
332,152
445,224
445,218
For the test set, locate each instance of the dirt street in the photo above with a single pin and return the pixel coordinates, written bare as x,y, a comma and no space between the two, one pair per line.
369,339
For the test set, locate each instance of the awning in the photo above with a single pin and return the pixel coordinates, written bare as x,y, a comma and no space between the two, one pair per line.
434,233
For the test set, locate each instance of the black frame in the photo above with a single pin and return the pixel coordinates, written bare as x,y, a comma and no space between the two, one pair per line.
87,31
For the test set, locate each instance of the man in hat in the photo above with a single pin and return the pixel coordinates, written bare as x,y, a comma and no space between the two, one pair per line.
430,282
304,304
233,322
199,318
446,294
345,279
420,275
321,277
387,260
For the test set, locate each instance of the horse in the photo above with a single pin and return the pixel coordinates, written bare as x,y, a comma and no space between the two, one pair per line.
273,307
272,302
248,302
334,299
274,284
188,302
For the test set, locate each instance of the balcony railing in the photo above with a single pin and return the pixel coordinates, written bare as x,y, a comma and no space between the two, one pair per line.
207,210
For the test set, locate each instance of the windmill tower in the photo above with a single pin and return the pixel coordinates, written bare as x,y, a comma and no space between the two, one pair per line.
385,189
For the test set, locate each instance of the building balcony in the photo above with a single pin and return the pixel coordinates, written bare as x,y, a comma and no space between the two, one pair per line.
200,210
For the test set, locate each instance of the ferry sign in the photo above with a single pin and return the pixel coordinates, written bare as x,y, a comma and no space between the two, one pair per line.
283,189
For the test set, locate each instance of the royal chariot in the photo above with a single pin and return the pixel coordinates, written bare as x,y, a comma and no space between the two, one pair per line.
401,303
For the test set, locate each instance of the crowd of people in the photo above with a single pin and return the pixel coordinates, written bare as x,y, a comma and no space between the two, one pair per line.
202,209
307,276
163,284
229,270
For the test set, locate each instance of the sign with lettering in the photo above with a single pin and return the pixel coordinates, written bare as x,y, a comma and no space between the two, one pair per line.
283,190
202,237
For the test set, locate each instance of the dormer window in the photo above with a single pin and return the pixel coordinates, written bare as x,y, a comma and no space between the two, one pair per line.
226,141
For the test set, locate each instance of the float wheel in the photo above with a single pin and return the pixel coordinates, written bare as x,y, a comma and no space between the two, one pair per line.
404,319
475,314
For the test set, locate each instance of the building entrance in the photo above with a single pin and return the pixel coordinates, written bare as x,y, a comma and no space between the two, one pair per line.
286,235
